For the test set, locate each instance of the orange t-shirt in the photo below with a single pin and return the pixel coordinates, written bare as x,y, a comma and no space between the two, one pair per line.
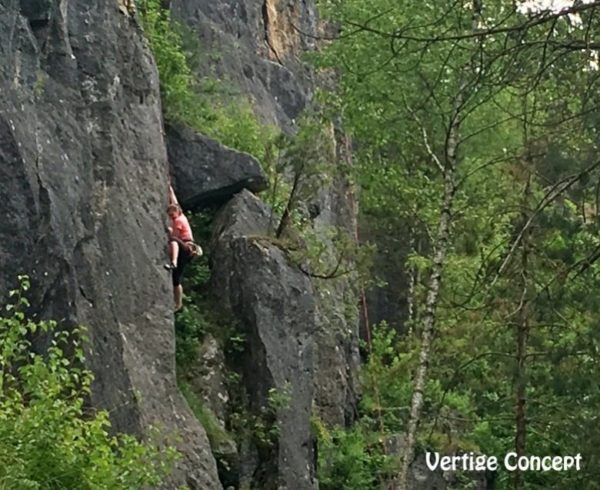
181,228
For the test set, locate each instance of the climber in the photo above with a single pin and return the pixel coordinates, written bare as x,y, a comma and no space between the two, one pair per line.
182,248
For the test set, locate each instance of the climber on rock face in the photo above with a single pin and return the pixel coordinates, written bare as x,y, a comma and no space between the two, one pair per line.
182,248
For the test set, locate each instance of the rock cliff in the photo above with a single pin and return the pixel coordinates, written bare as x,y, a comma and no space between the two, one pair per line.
83,174
83,179
257,46
275,304
301,341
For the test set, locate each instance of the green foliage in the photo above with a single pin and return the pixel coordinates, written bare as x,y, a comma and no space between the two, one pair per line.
203,105
177,82
261,427
192,324
358,457
234,124
524,128
48,438
298,166
264,427
279,399
348,460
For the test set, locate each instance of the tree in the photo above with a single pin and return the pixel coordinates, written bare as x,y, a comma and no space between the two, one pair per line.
434,98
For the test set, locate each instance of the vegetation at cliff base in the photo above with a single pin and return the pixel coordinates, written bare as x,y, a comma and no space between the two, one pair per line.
49,437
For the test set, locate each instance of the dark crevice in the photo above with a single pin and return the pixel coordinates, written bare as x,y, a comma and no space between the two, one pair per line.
81,290
220,196
37,24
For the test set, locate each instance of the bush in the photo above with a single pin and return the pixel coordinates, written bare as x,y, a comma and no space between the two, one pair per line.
48,440
348,459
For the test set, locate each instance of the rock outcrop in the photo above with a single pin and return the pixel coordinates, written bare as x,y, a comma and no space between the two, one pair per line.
275,306
83,179
206,172
257,47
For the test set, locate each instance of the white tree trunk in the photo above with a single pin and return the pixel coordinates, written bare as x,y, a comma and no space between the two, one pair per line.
440,250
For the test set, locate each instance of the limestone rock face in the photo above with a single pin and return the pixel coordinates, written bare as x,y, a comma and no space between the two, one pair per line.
275,306
258,48
83,180
206,172
257,45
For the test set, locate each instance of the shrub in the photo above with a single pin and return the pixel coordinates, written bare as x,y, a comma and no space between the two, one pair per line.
48,439
348,459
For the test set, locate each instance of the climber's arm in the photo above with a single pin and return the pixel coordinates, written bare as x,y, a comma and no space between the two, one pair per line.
172,196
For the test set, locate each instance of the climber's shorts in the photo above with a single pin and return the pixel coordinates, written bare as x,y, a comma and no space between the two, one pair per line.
183,260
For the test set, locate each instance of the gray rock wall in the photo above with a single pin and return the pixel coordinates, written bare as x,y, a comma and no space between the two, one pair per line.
206,172
83,180
257,49
256,46
275,305
83,177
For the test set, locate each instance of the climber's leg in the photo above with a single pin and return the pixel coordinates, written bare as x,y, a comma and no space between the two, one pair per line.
178,295
184,259
173,254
